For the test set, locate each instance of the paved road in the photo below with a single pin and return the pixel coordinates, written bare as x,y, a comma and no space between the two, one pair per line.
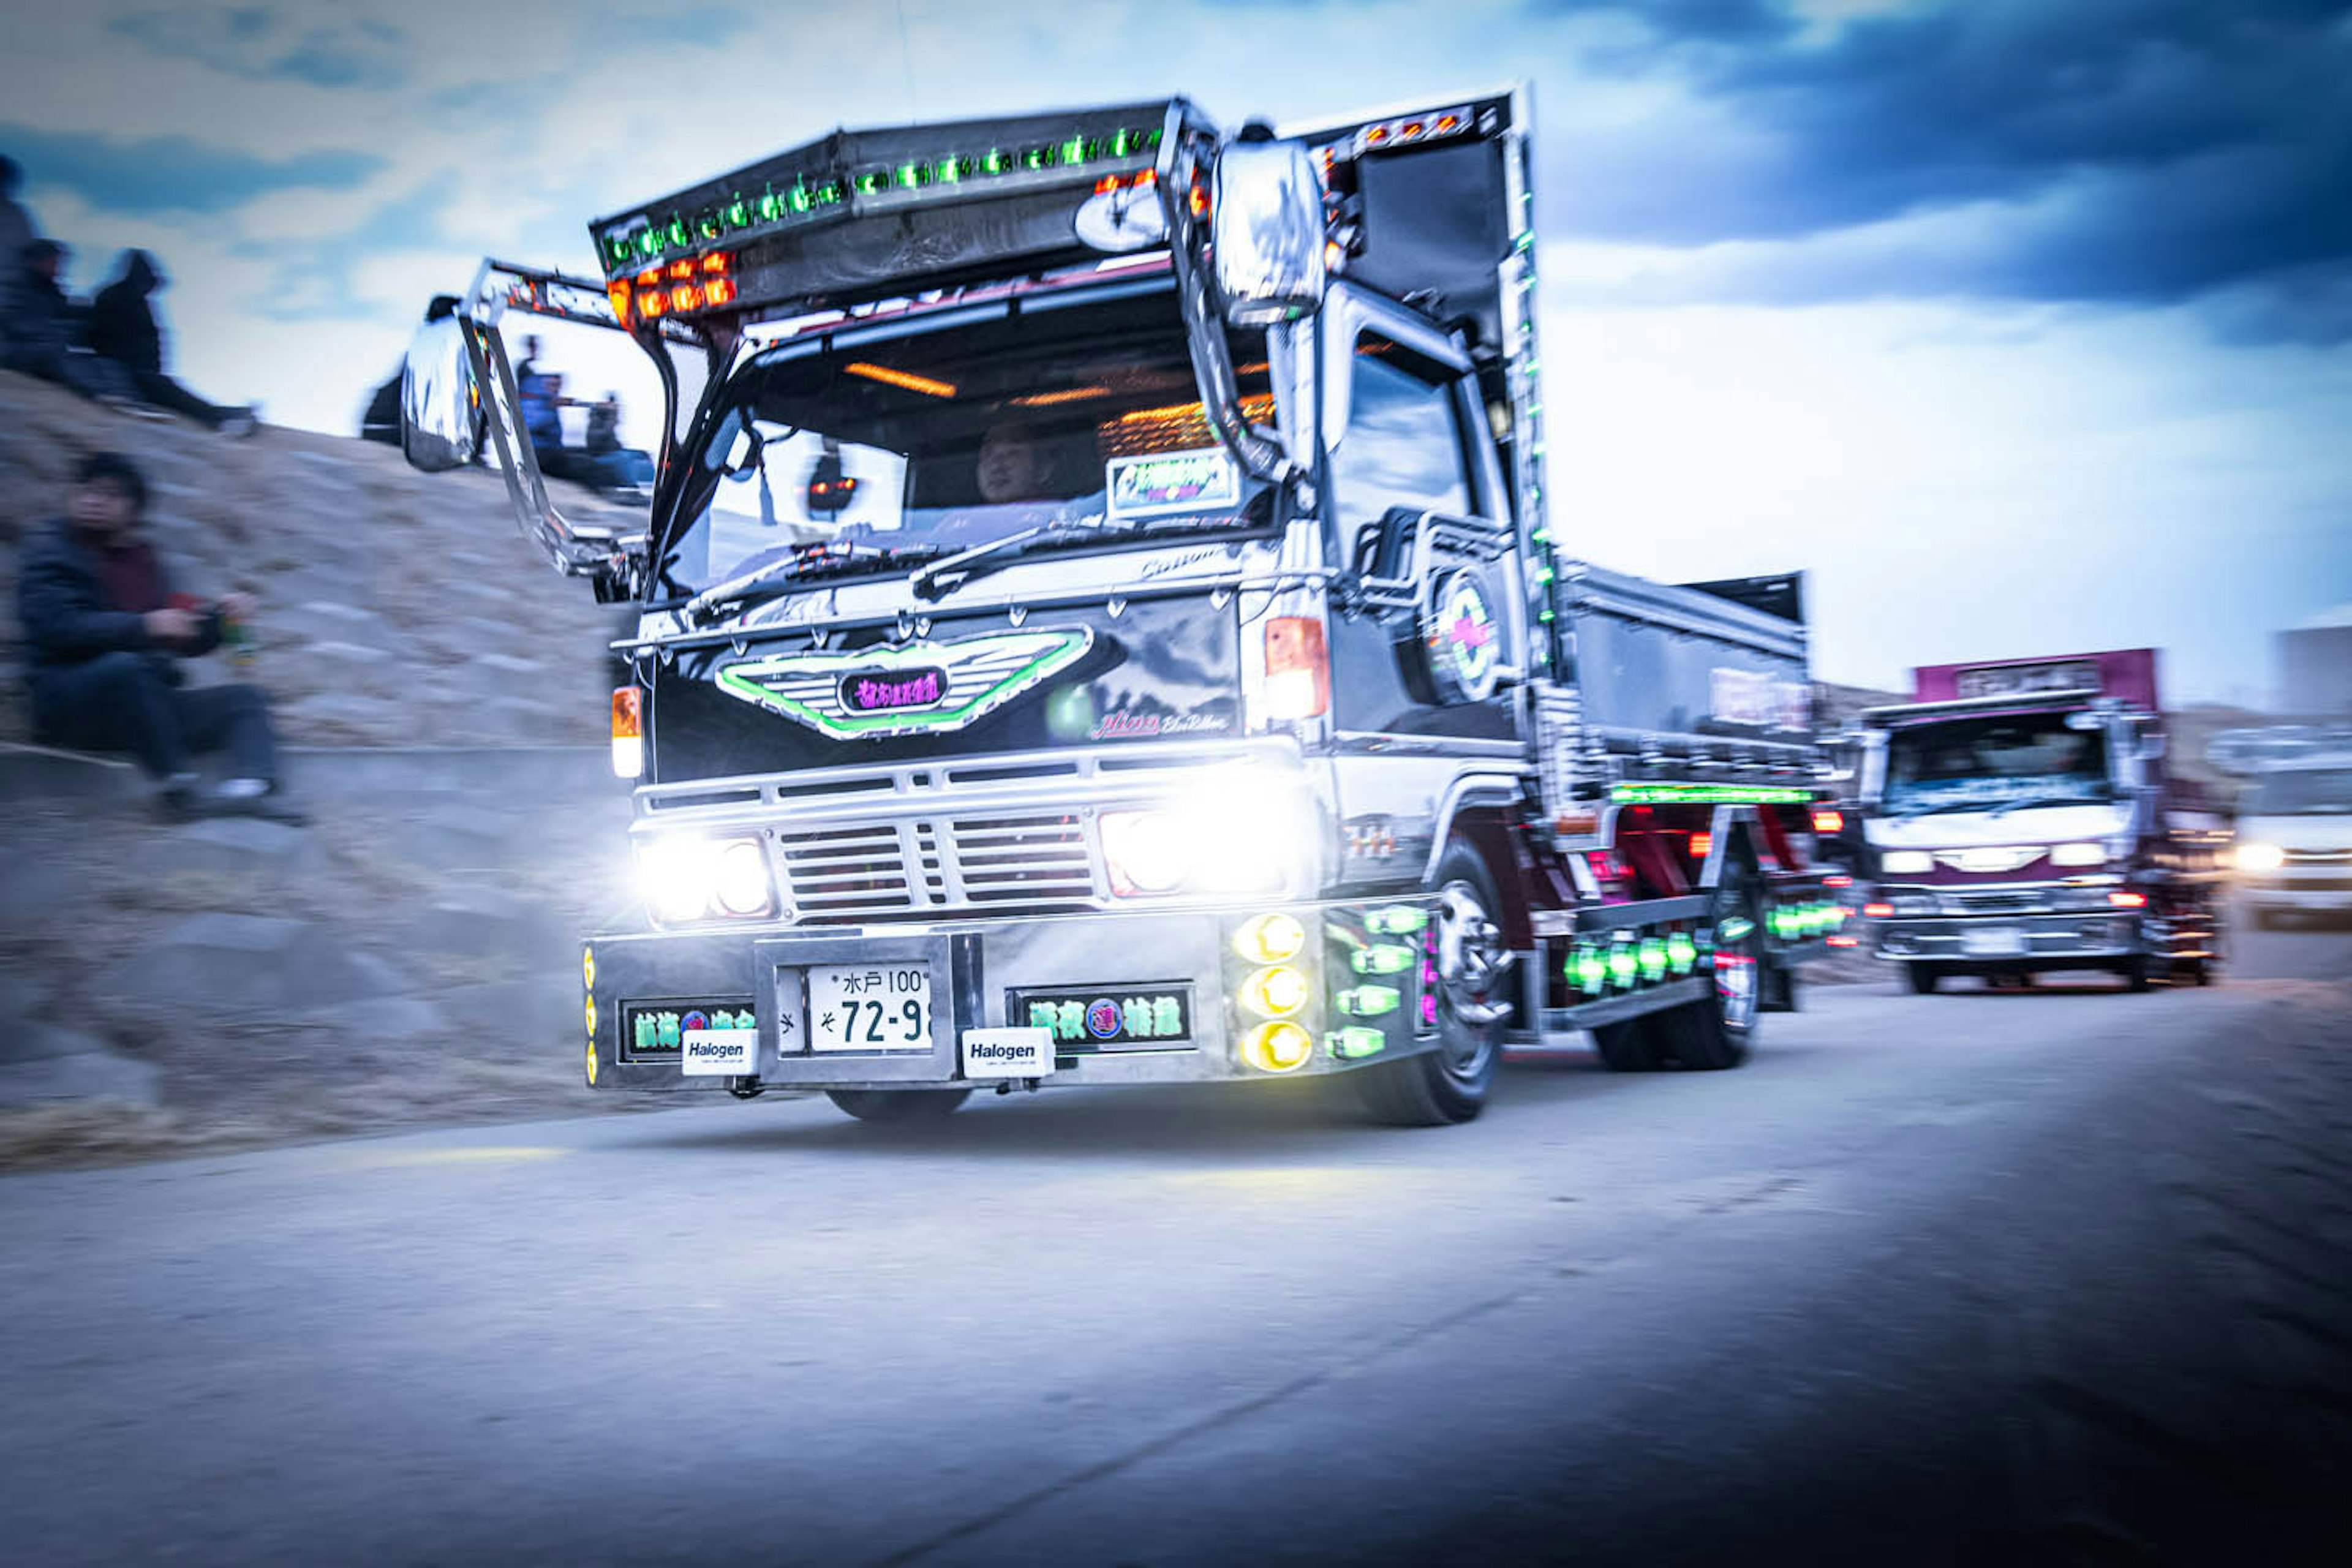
1967,1278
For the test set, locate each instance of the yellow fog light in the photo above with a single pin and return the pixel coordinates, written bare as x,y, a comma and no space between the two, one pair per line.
1276,992
588,1009
592,1064
1277,1047
588,967
1270,939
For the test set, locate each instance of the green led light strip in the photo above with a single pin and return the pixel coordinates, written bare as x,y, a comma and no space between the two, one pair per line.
806,199
1710,794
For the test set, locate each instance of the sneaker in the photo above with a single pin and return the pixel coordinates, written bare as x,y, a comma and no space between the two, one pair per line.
256,797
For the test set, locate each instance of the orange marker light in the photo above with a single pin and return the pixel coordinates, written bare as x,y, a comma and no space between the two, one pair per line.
1298,668
1827,821
1878,912
906,378
720,263
628,731
2128,900
1701,844
682,269
617,291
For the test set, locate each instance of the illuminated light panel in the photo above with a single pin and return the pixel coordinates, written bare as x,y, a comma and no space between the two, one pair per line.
1396,920
1827,821
1700,844
2128,900
1878,912
1653,959
1709,795
1356,1041
1625,964
1382,959
901,378
1682,953
1367,1001
1589,970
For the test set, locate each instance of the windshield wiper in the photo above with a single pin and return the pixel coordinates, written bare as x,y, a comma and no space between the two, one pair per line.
965,566
806,566
1943,807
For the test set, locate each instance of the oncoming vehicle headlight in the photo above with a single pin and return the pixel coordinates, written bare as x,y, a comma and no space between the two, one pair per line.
1224,840
1906,862
2085,854
2260,857
701,878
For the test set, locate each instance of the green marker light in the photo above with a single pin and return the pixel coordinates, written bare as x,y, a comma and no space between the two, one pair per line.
1623,963
1591,970
1396,920
1653,960
1681,953
1356,1041
1383,959
1367,1001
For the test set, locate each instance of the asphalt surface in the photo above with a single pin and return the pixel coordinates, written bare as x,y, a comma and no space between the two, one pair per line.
2019,1277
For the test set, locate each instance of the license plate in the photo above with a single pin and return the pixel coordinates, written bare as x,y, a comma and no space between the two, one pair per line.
2002,942
870,1007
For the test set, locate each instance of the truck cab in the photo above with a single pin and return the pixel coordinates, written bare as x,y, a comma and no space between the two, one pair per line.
2294,820
2021,817
1097,623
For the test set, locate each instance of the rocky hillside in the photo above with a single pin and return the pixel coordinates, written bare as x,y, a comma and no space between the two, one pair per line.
397,608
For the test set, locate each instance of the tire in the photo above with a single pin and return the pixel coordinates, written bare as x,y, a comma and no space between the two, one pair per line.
1923,979
899,1105
1714,1033
1449,1084
1629,1047
2135,972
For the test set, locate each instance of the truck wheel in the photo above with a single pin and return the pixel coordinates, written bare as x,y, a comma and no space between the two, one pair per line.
1629,1047
1713,1033
1923,979
2135,972
1450,1082
898,1104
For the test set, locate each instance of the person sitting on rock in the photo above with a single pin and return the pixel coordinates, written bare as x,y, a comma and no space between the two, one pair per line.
123,330
44,326
104,635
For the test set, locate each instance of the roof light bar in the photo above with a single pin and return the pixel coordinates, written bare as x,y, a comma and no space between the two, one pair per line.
1410,129
810,194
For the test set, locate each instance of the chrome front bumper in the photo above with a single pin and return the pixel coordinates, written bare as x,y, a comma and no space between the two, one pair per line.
976,968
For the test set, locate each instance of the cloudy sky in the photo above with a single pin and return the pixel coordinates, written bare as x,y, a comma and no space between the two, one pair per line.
2021,324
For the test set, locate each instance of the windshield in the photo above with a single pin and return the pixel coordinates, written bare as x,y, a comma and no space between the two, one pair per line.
1982,765
2306,792
881,447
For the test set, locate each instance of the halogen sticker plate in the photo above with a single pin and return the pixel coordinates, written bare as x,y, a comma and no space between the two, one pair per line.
870,1007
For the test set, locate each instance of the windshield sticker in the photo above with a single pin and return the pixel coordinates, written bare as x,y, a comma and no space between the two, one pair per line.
1199,479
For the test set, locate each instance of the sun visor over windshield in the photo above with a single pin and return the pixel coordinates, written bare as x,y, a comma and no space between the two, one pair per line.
864,211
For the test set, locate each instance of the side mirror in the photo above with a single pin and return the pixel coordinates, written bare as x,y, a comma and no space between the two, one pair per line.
1265,227
440,404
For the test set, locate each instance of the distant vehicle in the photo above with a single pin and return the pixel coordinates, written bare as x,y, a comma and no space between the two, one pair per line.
2021,818
1099,625
2294,820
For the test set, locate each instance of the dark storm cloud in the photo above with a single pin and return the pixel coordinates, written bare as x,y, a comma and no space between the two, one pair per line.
172,174
265,44
2159,149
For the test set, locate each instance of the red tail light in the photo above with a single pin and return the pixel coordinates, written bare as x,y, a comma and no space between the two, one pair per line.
1701,844
1878,912
1297,669
2128,900
1837,881
1826,821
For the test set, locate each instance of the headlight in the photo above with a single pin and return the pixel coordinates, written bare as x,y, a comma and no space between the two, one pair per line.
2260,857
694,879
1224,840
1906,862
2078,855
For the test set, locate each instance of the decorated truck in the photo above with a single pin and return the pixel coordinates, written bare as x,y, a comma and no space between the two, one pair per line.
2021,816
1100,622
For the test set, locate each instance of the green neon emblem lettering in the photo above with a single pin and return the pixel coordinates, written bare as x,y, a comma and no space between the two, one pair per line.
1041,655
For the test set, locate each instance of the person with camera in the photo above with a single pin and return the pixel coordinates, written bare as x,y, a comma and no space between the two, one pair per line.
106,635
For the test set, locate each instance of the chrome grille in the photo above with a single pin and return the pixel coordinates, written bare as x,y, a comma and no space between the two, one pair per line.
2319,857
927,866
1994,902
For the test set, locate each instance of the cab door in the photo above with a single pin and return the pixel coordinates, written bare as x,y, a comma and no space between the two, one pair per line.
1416,503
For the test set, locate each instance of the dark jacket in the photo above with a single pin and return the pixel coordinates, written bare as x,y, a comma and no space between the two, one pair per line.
122,323
42,322
62,602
